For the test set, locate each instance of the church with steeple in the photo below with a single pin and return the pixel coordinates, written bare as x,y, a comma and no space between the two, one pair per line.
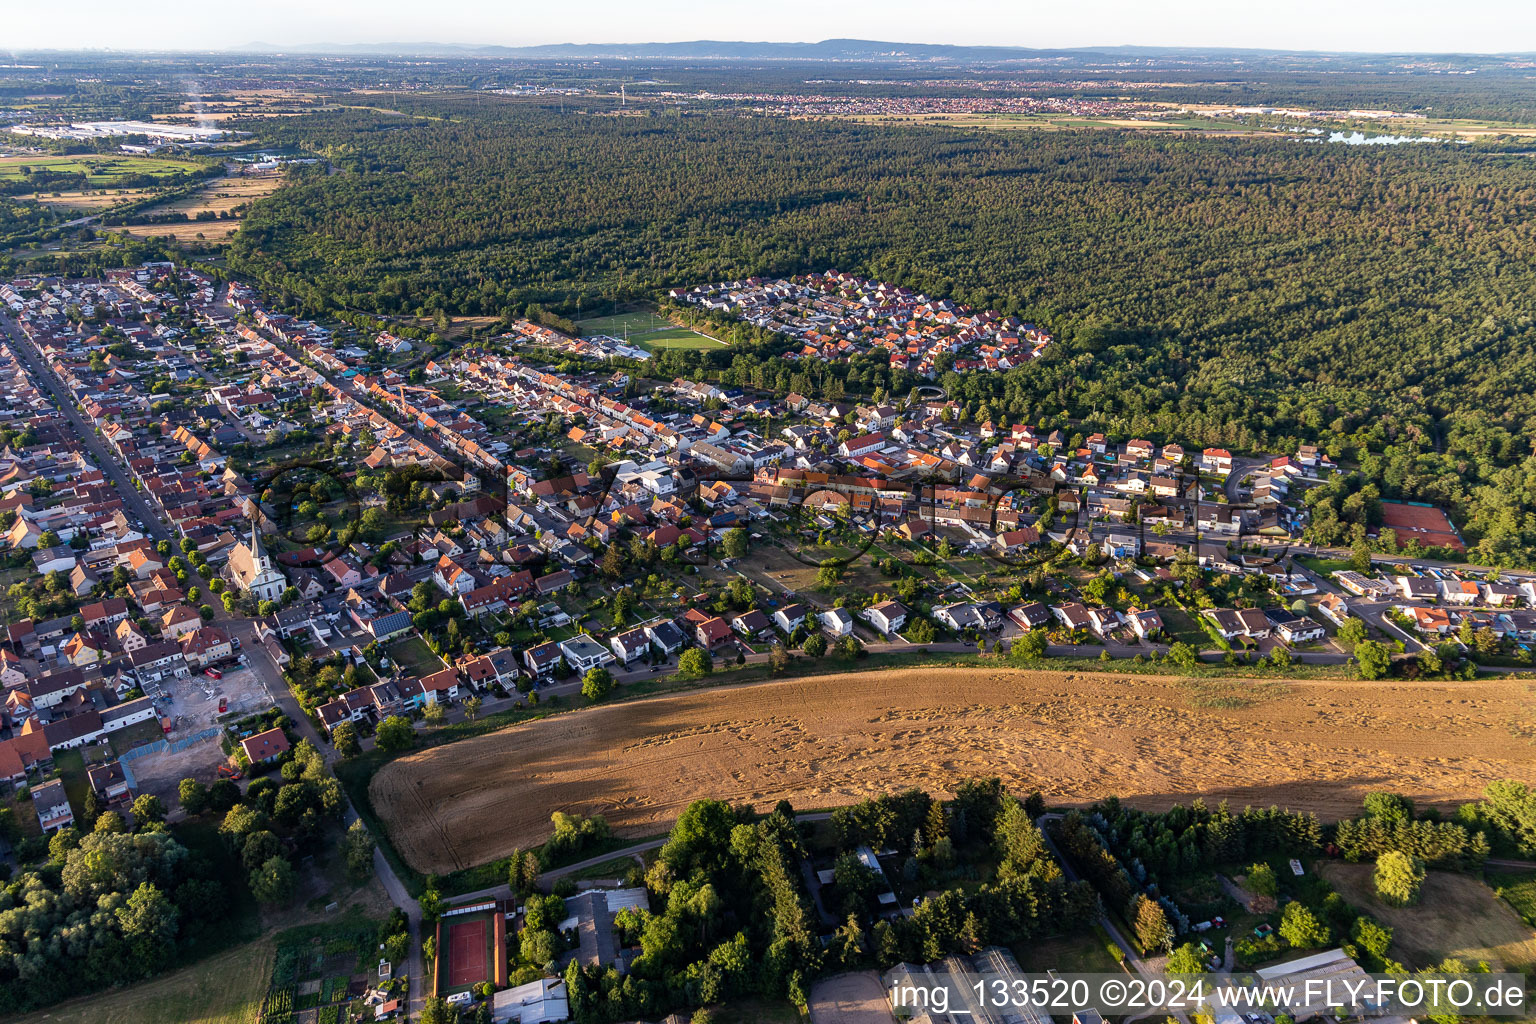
254,572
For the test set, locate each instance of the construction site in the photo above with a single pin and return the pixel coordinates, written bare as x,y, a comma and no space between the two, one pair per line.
195,706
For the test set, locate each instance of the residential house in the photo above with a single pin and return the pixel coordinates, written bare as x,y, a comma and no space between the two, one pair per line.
110,783
1333,608
837,622
888,617
664,636
712,633
1030,616
1217,461
1073,616
583,653
958,617
1300,631
205,646
751,624
52,805
178,620
630,645
1146,624
541,660
265,747
790,617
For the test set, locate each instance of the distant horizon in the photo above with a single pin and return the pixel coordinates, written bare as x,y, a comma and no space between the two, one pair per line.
1375,27
420,46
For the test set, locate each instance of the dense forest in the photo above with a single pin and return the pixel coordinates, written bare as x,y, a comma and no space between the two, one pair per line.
1245,292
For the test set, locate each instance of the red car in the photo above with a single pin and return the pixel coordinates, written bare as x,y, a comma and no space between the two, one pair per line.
213,673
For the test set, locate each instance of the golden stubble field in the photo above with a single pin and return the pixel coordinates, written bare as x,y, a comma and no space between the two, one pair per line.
823,741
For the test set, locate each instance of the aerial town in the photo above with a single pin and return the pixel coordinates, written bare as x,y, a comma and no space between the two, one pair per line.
202,492
733,533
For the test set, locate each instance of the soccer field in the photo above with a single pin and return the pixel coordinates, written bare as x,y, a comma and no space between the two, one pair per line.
647,330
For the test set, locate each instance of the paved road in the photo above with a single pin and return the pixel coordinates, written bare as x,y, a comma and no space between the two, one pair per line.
135,502
272,678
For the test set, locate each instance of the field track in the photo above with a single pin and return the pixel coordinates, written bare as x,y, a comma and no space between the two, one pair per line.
1317,745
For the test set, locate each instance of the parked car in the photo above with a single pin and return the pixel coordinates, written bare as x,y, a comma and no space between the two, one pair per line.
213,673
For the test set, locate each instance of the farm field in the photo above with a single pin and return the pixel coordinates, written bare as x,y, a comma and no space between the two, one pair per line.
647,330
219,196
92,199
1457,916
827,740
191,231
224,989
223,194
102,169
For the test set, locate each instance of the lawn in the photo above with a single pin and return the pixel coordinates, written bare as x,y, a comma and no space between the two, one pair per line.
1181,625
614,326
415,656
1457,916
224,989
71,766
1324,566
1086,952
136,735
676,337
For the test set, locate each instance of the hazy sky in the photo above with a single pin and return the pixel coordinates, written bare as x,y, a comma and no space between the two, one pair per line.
1376,25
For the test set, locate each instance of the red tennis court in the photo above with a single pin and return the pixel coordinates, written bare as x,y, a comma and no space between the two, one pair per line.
466,953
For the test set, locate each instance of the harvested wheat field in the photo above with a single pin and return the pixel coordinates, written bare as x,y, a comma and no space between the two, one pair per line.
223,194
822,741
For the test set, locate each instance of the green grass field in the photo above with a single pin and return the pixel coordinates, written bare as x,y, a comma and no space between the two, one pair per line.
1456,916
1088,951
224,989
102,170
647,330
1518,889
415,656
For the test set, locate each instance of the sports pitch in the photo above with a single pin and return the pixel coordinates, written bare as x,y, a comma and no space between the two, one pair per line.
471,948
647,330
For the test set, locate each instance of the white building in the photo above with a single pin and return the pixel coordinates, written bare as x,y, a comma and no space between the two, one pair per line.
583,653
254,572
837,622
538,1002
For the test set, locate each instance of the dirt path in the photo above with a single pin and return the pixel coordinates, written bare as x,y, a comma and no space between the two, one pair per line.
824,741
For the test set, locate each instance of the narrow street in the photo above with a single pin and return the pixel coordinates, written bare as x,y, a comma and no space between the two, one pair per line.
105,458
272,678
